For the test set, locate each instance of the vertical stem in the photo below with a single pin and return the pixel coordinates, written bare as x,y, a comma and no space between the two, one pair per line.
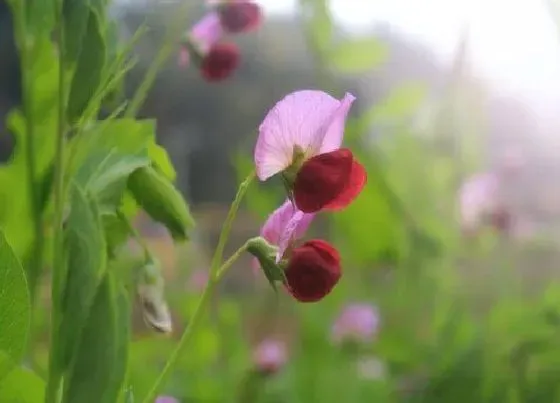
55,377
216,274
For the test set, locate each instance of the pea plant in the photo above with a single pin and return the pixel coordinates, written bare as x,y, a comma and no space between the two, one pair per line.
76,181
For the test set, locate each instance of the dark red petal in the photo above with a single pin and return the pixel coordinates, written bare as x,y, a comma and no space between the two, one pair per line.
321,179
354,186
220,62
240,16
313,271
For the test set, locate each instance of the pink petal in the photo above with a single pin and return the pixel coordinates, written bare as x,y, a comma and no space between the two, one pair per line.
207,31
310,119
285,224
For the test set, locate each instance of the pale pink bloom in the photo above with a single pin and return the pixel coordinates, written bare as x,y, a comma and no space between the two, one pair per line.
166,399
512,160
283,226
206,32
478,198
310,120
357,322
371,368
270,356
198,280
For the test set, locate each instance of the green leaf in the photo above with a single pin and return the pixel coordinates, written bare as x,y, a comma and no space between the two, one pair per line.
99,366
22,386
104,175
266,255
89,69
15,308
358,55
86,264
75,21
161,161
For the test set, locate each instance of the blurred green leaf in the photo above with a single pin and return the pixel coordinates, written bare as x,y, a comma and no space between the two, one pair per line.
86,264
14,308
161,161
75,21
89,69
22,386
358,55
98,368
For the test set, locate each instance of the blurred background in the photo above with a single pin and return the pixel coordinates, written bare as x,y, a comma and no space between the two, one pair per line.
450,289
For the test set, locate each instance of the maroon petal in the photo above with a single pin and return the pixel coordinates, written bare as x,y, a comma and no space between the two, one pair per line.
220,62
353,188
321,179
240,16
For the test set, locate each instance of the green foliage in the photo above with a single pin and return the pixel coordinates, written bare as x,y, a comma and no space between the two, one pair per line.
86,263
357,55
89,68
15,310
98,368
22,386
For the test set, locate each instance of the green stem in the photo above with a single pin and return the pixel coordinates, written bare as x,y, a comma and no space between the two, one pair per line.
55,377
215,277
172,35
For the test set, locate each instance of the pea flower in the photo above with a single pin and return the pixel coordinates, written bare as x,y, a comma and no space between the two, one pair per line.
270,356
300,138
312,269
358,322
216,59
166,399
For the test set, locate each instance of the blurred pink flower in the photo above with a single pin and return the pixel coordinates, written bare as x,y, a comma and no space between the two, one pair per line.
478,198
357,322
270,356
283,226
206,32
300,137
198,280
166,399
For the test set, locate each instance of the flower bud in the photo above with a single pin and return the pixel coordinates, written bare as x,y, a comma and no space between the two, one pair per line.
162,201
150,290
313,270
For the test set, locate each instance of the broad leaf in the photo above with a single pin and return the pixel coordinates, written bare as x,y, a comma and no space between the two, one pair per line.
358,55
14,308
99,366
89,69
86,264
22,386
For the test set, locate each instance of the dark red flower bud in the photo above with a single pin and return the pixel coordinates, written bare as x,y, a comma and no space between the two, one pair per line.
313,270
240,16
220,62
329,181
